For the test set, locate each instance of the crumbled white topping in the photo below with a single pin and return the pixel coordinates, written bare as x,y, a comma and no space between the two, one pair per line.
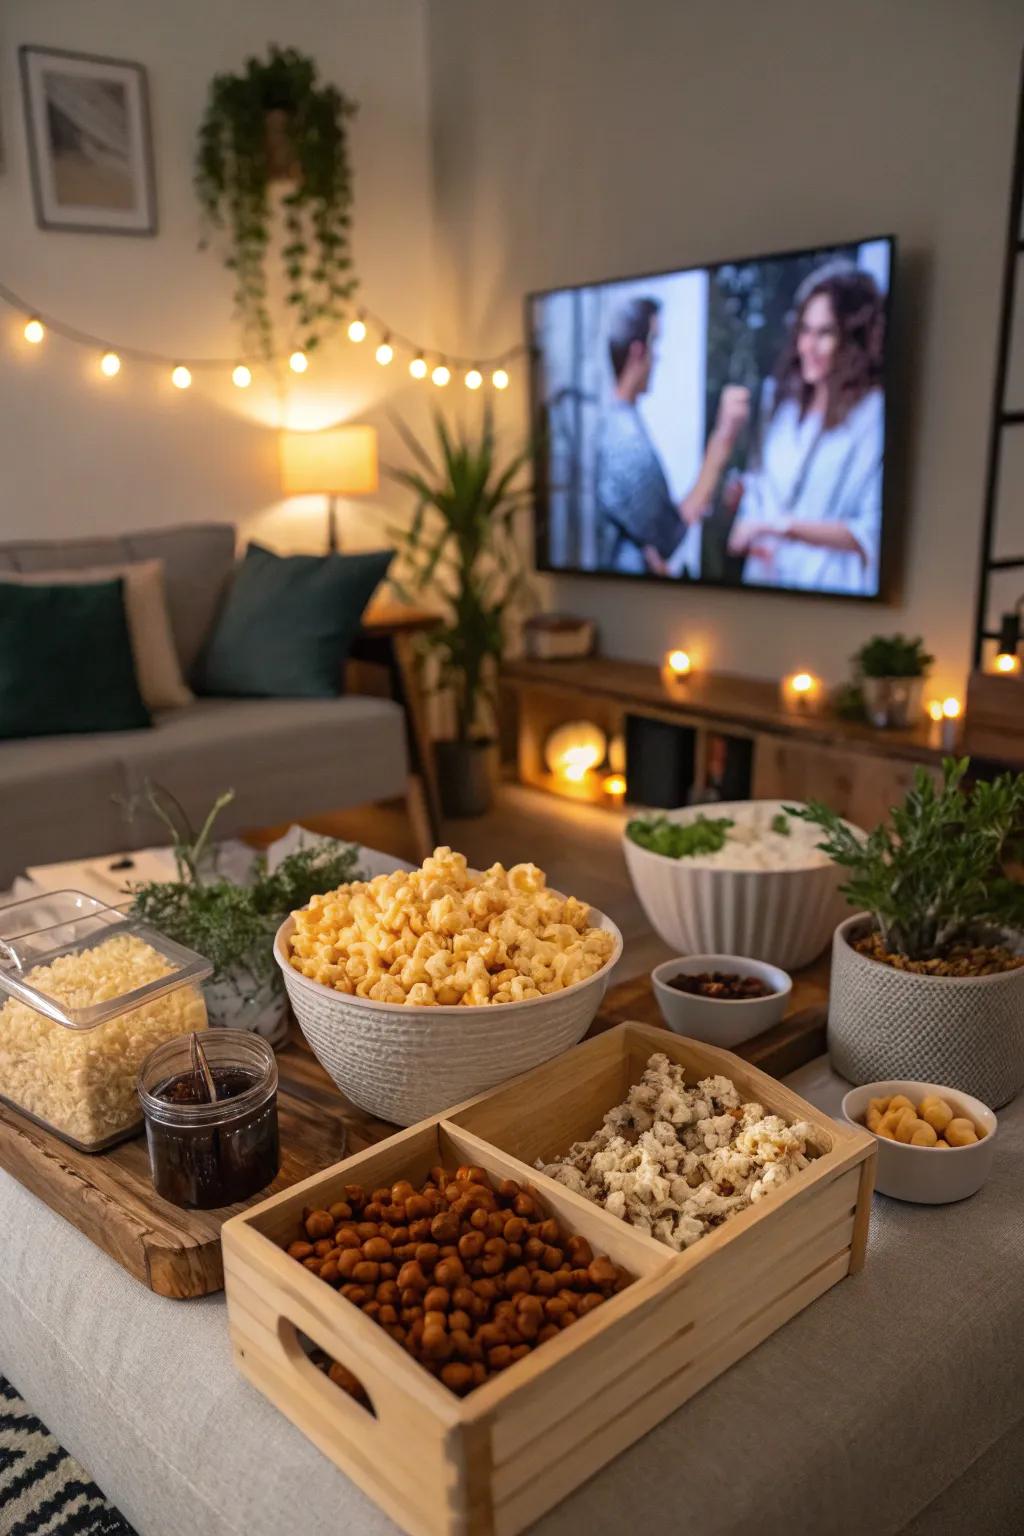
677,1162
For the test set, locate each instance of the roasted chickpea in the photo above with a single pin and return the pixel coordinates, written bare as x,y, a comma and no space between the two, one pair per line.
457,1376
367,1229
526,1206
340,1211
357,1293
434,1320
508,1189
377,1248
300,1250
543,1283
435,1344
329,1272
312,1264
411,1277
437,1299
387,1314
579,1252
355,1194
444,1228
588,1303
471,1245
417,1207
602,1272
347,1237
319,1224
458,1318
388,1292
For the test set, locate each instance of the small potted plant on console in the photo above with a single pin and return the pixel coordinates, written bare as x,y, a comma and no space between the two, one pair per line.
890,672
928,977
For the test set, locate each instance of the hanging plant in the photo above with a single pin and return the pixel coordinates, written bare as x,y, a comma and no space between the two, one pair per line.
276,122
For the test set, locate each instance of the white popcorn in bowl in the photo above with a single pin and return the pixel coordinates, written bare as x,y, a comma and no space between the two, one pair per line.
676,1162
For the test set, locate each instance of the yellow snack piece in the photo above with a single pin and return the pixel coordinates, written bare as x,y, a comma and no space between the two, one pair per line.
900,1101
960,1132
941,1143
936,1111
906,1125
923,1135
874,1117
881,1105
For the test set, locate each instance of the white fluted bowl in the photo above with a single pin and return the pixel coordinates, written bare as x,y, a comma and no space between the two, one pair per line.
403,1063
783,916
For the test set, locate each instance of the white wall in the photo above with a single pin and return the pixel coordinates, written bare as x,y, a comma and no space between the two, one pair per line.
592,138
81,454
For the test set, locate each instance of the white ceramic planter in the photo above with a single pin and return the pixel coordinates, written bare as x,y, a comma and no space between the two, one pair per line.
238,1001
782,916
965,1031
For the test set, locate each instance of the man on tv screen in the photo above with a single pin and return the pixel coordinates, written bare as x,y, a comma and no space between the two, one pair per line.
644,529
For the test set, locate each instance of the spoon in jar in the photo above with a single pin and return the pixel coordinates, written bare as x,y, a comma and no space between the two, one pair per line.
201,1068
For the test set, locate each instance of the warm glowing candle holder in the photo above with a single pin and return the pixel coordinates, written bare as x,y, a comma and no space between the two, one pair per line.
1007,663
572,751
802,693
676,668
614,786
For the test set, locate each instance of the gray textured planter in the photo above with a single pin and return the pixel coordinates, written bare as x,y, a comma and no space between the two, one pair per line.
892,703
963,1032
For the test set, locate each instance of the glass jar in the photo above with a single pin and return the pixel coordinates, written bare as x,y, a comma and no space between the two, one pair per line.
205,1155
86,992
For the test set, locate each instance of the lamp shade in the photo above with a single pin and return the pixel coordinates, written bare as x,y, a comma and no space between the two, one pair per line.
341,461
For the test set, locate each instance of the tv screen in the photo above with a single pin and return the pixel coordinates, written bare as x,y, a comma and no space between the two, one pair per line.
723,424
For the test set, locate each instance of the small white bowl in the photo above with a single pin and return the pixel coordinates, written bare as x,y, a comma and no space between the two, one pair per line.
717,1020
927,1175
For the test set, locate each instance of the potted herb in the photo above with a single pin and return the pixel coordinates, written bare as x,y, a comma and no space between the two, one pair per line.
276,122
890,671
928,977
234,925
461,547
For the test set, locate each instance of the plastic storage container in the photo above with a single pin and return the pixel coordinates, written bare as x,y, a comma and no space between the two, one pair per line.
86,994
205,1155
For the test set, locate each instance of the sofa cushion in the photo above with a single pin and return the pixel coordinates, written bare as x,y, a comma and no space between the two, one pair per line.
288,624
198,559
66,660
156,661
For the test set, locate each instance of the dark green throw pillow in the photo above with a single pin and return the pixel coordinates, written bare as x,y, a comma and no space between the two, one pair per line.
66,661
288,624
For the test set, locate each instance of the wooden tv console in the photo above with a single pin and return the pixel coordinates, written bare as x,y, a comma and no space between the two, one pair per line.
860,771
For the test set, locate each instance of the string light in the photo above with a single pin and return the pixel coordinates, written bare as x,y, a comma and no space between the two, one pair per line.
387,346
181,378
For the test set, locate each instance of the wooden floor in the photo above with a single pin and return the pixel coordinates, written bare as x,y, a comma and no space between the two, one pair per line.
577,846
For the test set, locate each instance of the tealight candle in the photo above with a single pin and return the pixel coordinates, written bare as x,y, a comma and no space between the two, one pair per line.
801,693
679,664
614,787
1007,662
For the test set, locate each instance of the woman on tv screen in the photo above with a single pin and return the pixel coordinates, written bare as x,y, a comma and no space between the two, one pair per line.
810,514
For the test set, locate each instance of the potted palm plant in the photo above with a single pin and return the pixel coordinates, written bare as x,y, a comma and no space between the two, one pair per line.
928,977
890,671
461,547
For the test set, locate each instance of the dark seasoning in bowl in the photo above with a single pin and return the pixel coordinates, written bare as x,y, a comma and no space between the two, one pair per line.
722,986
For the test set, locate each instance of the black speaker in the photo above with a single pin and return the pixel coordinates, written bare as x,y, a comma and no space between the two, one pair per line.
659,762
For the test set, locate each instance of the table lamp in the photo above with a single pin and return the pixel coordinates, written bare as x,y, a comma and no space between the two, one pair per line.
340,461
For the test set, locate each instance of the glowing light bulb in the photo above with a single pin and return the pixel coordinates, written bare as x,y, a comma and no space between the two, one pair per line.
1007,661
935,709
441,375
385,352
357,330
181,378
679,663
298,362
951,708
418,368
474,378
34,331
614,786
802,682
110,364
499,378
241,376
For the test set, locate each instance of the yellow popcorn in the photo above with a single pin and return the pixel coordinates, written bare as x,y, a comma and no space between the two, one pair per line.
443,935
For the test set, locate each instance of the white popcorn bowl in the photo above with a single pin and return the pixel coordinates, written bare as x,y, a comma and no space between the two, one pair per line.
927,1175
783,916
720,1021
403,1062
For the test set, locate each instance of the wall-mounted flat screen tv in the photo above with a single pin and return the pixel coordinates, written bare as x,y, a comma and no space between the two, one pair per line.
723,424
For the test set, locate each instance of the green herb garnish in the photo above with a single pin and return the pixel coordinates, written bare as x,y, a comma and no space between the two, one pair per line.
233,925
679,839
780,824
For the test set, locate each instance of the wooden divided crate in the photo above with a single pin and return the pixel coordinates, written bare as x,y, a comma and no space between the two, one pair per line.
493,1462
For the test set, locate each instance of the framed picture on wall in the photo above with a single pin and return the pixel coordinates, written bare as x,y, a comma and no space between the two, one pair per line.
89,142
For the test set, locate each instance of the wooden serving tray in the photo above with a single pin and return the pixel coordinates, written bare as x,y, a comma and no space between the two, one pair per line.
110,1197
492,1463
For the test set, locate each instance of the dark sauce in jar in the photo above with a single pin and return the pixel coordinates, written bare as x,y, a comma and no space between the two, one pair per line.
203,1165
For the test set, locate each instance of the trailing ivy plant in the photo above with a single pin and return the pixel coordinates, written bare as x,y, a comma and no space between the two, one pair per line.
234,171
935,875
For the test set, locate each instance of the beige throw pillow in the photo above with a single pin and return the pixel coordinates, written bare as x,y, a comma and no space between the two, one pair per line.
157,669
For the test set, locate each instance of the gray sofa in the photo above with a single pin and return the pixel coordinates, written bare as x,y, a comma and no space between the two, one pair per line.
63,797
